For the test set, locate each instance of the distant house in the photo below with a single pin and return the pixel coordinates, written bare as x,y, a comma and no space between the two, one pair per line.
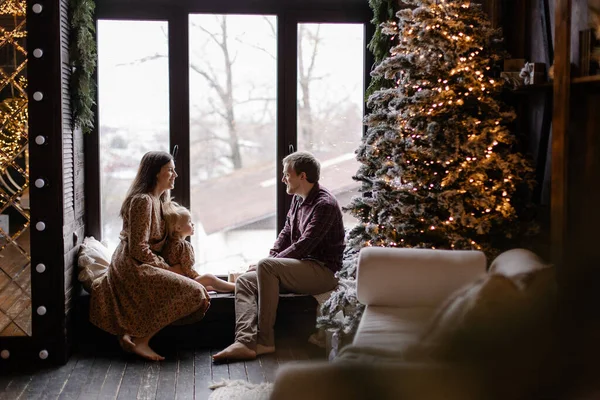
246,200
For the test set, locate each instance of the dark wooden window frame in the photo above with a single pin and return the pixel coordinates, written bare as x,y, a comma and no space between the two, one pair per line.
288,13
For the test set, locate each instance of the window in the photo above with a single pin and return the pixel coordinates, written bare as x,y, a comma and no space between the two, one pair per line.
330,103
133,108
233,114
227,83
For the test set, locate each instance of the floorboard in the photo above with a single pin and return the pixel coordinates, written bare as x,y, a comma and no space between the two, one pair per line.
254,371
100,374
76,382
95,380
17,386
59,378
149,382
237,371
185,375
269,366
132,379
38,384
167,379
112,383
202,373
219,371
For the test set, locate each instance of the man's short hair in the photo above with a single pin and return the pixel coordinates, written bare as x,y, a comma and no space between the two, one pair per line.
302,161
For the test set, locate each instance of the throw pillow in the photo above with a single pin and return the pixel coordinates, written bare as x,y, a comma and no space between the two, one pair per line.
93,261
502,328
466,319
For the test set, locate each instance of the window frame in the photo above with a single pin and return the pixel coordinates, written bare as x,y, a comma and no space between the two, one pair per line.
289,14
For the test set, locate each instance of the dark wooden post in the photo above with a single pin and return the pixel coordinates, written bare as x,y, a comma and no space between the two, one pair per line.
560,122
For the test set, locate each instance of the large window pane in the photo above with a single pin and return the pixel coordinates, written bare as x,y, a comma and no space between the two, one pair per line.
133,107
330,102
232,139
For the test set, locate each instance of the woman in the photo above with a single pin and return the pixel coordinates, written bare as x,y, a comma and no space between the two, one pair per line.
141,293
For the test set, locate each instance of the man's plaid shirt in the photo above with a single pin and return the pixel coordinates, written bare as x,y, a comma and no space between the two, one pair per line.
313,230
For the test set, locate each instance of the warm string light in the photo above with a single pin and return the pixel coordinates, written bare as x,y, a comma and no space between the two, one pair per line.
468,70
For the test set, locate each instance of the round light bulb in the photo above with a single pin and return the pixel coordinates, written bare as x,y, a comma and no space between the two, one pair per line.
40,140
40,268
5,354
40,226
41,310
38,96
44,354
40,183
37,8
38,53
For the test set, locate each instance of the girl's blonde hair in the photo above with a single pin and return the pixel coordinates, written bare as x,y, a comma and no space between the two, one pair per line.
173,213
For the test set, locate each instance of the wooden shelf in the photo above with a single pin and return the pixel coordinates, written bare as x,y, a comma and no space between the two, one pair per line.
535,88
581,82
595,79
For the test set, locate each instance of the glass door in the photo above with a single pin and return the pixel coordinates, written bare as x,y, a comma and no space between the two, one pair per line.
330,102
233,76
133,108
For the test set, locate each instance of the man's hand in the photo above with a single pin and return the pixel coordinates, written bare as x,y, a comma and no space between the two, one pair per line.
251,268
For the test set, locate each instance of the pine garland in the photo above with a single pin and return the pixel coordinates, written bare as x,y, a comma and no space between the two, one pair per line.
83,62
380,44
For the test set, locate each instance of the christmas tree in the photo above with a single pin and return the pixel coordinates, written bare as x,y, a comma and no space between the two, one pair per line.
439,167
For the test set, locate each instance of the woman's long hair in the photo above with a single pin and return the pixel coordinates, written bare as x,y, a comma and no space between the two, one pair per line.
146,178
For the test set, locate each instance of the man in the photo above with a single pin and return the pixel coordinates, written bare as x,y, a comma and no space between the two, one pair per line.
304,259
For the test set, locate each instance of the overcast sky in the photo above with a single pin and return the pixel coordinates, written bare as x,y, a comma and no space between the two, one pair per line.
137,93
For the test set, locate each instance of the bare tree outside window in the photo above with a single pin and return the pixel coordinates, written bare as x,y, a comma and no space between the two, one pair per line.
233,76
330,102
133,108
232,138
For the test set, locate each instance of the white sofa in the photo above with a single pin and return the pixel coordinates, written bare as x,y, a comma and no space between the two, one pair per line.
402,289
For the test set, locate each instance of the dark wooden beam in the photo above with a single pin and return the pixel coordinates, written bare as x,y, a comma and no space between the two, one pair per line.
560,122
179,102
545,19
287,128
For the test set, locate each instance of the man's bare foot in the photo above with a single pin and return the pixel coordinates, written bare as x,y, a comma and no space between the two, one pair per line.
236,351
142,349
261,349
126,343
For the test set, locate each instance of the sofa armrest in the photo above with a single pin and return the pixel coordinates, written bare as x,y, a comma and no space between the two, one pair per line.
402,277
407,381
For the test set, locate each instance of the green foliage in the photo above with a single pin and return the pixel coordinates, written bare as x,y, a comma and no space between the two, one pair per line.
83,62
380,44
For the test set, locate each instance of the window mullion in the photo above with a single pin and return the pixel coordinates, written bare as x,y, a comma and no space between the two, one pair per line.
287,76
179,102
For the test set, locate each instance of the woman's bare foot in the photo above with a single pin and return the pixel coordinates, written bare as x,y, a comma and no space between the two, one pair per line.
236,351
142,349
126,343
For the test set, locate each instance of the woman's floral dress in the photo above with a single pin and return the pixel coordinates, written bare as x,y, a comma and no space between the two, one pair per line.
140,295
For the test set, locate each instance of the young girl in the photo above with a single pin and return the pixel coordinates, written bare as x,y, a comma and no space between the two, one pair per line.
179,251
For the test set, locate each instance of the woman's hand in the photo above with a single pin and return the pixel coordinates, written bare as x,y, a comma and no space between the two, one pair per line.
251,268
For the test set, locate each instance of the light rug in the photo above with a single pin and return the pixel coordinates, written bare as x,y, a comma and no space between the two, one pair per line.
240,390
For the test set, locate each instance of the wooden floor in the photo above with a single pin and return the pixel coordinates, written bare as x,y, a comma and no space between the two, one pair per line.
110,374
